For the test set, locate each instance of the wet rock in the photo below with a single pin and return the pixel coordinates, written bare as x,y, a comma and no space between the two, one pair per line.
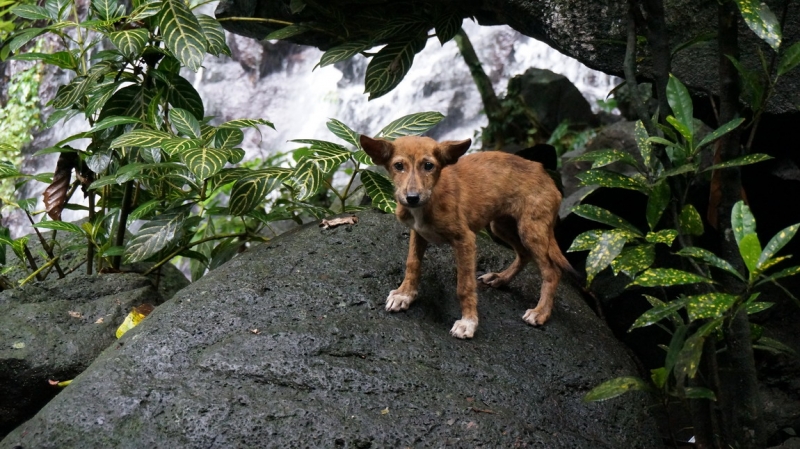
288,345
53,330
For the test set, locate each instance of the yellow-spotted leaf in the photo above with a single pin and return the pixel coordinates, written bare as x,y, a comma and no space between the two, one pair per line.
688,359
776,243
606,178
665,236
616,387
380,189
656,203
411,125
601,158
601,215
681,104
689,221
585,241
750,249
182,33
608,247
719,132
760,306
709,258
634,259
739,161
204,162
709,305
659,312
134,318
762,21
666,277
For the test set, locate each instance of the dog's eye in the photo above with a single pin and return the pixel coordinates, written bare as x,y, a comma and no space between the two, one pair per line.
398,166
428,166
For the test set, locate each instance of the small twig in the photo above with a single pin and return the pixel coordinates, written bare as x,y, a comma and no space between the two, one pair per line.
31,260
482,410
47,248
35,274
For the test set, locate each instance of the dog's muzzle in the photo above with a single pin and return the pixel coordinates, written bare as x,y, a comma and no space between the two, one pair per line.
412,199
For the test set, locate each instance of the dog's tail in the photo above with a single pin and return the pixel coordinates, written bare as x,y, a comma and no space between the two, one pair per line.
558,258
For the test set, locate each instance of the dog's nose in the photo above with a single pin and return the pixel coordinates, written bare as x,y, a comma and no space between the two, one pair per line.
412,199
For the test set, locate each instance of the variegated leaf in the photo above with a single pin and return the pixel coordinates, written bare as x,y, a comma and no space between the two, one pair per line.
215,35
246,123
30,12
145,10
179,145
762,21
181,94
184,122
721,131
739,161
709,305
250,190
616,387
307,178
131,101
343,52
742,221
634,259
182,34
608,247
601,158
610,179
380,189
681,103
130,42
344,132
656,203
204,162
411,125
645,148
59,226
688,360
601,215
154,236
362,157
709,258
141,138
287,32
665,236
390,65
689,221
666,277
657,313
776,243
447,26
586,240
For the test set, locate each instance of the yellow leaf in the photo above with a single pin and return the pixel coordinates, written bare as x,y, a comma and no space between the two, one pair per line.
134,318
385,411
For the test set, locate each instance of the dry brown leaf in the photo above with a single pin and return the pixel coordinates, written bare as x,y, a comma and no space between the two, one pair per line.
255,331
99,321
75,314
55,195
334,222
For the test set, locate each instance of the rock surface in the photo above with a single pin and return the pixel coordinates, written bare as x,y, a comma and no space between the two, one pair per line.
288,345
54,330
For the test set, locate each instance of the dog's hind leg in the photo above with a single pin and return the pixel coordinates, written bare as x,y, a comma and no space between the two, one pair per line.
538,237
506,230
404,295
467,295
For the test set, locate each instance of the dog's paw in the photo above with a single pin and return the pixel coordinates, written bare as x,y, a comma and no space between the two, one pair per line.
397,301
535,317
464,328
493,280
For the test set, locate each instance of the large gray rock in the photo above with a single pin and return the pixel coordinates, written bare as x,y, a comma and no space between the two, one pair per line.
288,345
591,31
54,330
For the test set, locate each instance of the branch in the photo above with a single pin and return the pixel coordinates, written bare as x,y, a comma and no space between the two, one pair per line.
630,72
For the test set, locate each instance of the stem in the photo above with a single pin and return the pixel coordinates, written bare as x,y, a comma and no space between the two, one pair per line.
254,19
195,243
346,193
47,248
491,104
90,249
659,46
630,73
124,210
31,260
36,273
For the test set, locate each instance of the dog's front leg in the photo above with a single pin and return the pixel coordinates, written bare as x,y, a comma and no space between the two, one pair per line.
467,296
401,298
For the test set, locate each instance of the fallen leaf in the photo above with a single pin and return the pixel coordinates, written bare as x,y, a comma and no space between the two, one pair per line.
99,321
385,411
450,422
334,222
134,318
61,384
471,425
75,314
19,345
255,331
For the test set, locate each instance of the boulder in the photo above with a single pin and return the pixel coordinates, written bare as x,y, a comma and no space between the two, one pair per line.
288,345
53,330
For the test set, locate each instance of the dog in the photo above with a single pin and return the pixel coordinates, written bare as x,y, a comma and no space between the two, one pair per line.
446,198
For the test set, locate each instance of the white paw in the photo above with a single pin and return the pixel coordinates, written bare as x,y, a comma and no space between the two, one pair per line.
534,318
464,328
492,280
397,302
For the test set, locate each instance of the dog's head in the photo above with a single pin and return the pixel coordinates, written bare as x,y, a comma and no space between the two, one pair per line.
414,164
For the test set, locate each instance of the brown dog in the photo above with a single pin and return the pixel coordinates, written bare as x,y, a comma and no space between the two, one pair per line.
444,199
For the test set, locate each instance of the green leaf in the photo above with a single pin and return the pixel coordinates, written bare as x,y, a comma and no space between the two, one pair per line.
681,103
721,131
179,146
344,132
235,155
681,128
675,343
130,101
709,305
130,42
744,160
246,123
362,158
30,12
656,203
689,221
296,6
665,236
790,59
146,10
105,9
140,138
608,247
98,162
688,359
755,307
181,94
204,162
343,52
307,178
182,34
215,35
601,158
62,59
709,258
60,226
659,376
634,259
154,236
786,272
389,66
23,37
762,21
184,122
251,190
601,215
380,189
228,138
776,243
411,125
610,179
750,249
742,221
586,240
657,313
773,346
287,32
616,387
667,277
645,148
699,393
144,210
447,26
110,122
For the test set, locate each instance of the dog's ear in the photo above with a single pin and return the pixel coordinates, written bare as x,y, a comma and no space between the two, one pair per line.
378,149
450,150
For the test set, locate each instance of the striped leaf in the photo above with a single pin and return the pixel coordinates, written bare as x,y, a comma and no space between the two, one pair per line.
181,94
140,138
204,162
146,10
657,201
610,179
739,161
144,210
401,27
616,387
776,243
131,101
60,226
411,125
390,65
608,247
62,59
228,138
8,170
246,123
343,52
100,94
178,145
689,221
601,215
31,12
666,277
75,90
762,21
601,158
154,236
634,259
287,32
110,122
229,175
380,189
130,42
681,103
184,122
447,26
344,132
23,37
215,35
709,258
327,155
362,157
182,34
235,155
106,9
250,190
709,305
307,178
